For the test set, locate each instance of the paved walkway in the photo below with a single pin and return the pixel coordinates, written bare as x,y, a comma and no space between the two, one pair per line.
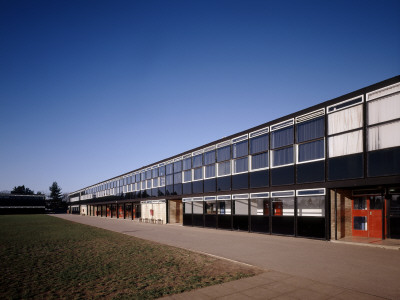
295,267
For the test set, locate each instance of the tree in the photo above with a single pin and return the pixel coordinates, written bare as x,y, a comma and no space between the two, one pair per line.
21,190
55,195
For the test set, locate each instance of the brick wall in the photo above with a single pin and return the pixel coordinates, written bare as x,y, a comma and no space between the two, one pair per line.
344,213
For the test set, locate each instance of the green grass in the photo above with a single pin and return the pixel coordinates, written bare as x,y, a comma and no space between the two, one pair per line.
46,257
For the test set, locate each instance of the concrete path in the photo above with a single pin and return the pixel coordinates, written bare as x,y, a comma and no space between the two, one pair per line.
296,267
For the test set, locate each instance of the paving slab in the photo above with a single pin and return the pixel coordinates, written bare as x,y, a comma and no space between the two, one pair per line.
354,271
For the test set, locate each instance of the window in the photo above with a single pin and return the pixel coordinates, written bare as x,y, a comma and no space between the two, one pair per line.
198,207
154,172
282,157
162,181
345,120
137,178
187,176
142,177
198,174
311,206
282,137
209,171
259,207
148,174
224,168
187,208
283,207
360,203
143,185
310,130
241,207
360,223
241,165
384,136
345,144
148,183
155,182
210,207
169,169
259,161
384,109
311,151
169,179
224,207
224,153
259,144
177,178
209,157
187,163
177,166
161,171
240,149
197,160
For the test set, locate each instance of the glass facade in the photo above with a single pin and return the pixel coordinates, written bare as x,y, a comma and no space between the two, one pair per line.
348,139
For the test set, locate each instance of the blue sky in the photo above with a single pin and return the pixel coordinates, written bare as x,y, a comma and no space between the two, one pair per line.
92,89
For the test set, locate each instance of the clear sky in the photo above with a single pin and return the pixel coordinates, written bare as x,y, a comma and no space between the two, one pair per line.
92,89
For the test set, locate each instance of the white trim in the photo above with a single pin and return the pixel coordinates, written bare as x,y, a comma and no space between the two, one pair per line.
240,196
343,102
321,189
259,132
281,125
198,152
395,87
209,148
262,195
198,199
312,160
310,116
186,156
240,139
178,159
292,194
224,144
210,198
224,197
187,199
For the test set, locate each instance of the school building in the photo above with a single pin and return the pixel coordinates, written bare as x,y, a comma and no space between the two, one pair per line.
326,172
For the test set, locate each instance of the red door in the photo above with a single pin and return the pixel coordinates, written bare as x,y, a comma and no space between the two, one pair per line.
367,216
376,204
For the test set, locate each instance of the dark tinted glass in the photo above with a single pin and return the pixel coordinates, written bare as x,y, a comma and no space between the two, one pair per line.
224,183
240,181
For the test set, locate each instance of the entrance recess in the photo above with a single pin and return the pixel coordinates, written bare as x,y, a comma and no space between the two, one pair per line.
175,210
368,213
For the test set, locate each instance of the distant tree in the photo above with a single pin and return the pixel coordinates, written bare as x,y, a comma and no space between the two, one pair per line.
39,193
21,190
55,192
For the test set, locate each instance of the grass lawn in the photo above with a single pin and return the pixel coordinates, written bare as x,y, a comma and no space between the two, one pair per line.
47,257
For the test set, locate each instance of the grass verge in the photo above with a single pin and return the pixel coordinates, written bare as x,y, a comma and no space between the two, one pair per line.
47,257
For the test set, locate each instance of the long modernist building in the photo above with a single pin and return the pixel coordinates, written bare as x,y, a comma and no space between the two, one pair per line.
326,172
